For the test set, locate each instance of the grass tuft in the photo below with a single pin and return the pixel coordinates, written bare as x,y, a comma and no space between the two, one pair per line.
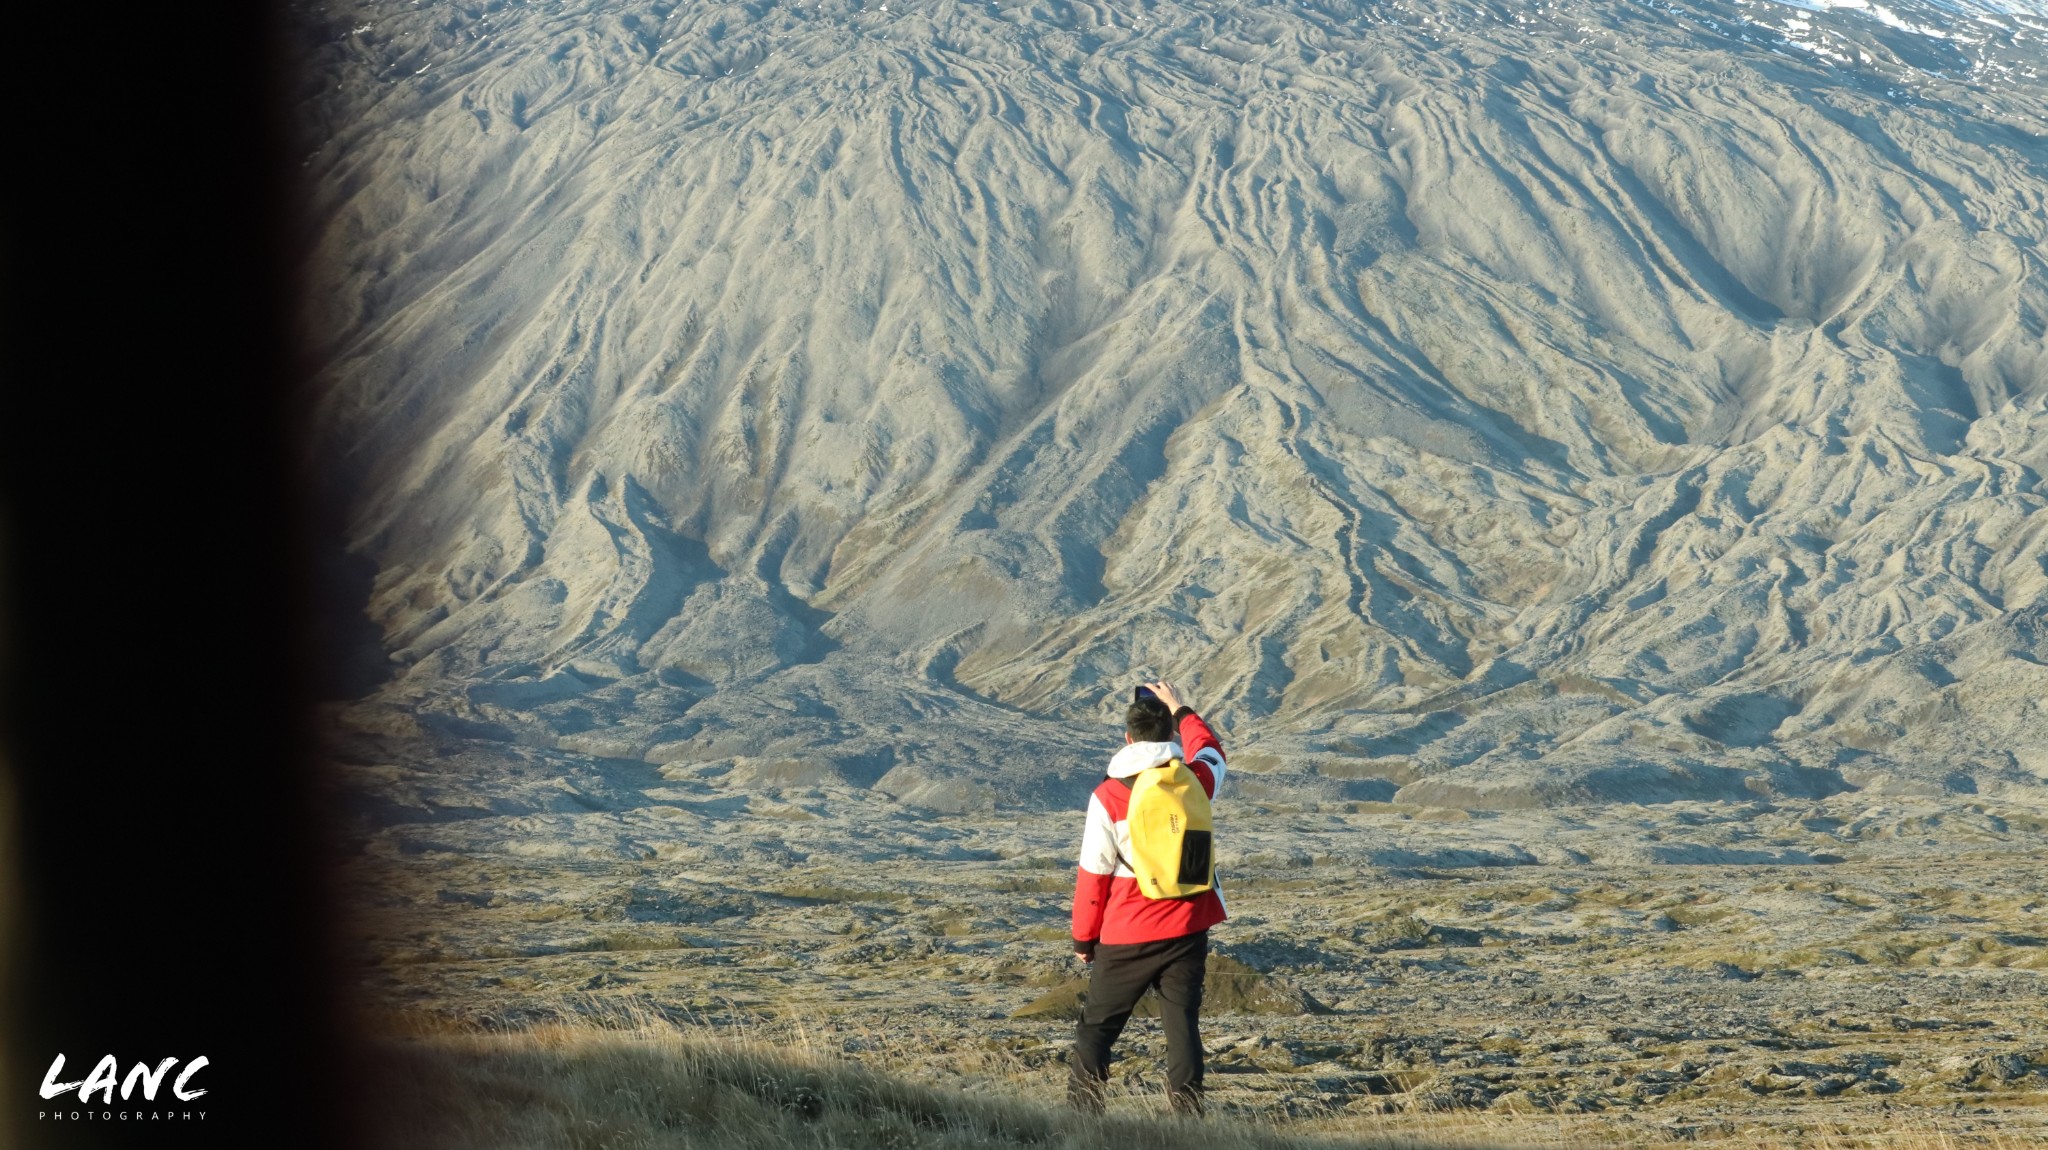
586,1087
632,1082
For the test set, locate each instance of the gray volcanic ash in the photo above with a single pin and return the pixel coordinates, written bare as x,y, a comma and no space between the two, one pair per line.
1514,404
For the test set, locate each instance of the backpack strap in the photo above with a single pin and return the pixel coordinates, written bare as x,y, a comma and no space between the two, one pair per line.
1129,786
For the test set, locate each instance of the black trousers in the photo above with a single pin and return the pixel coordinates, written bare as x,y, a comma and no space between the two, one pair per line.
1119,976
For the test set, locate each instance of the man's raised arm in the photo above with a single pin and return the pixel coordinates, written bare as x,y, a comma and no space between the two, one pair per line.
1200,749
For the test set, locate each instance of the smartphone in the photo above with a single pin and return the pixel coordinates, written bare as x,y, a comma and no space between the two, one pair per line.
1140,694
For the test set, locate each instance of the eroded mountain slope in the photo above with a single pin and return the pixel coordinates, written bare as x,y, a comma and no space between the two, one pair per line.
1511,403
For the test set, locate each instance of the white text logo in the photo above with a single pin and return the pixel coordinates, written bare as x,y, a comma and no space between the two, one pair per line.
104,1077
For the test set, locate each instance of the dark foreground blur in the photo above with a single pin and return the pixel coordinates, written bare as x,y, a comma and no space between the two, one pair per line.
162,844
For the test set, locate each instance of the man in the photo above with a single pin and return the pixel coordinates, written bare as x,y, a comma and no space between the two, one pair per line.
1132,942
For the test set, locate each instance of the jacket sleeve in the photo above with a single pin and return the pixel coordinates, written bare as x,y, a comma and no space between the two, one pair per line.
1091,884
1201,750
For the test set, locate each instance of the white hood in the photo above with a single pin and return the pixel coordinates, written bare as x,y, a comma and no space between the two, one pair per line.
1139,756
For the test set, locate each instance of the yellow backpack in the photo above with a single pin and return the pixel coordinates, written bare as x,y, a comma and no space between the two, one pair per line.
1171,832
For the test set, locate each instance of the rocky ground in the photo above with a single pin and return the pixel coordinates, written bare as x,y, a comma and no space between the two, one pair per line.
1697,969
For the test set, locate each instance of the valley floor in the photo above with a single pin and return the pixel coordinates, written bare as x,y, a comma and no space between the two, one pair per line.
1829,968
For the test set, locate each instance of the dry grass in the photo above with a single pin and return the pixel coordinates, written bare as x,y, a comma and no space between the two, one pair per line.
635,1082
602,1089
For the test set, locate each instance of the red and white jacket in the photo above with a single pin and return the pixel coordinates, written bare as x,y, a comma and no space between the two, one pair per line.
1108,906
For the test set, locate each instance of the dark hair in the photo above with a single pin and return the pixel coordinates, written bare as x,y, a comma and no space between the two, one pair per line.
1148,721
